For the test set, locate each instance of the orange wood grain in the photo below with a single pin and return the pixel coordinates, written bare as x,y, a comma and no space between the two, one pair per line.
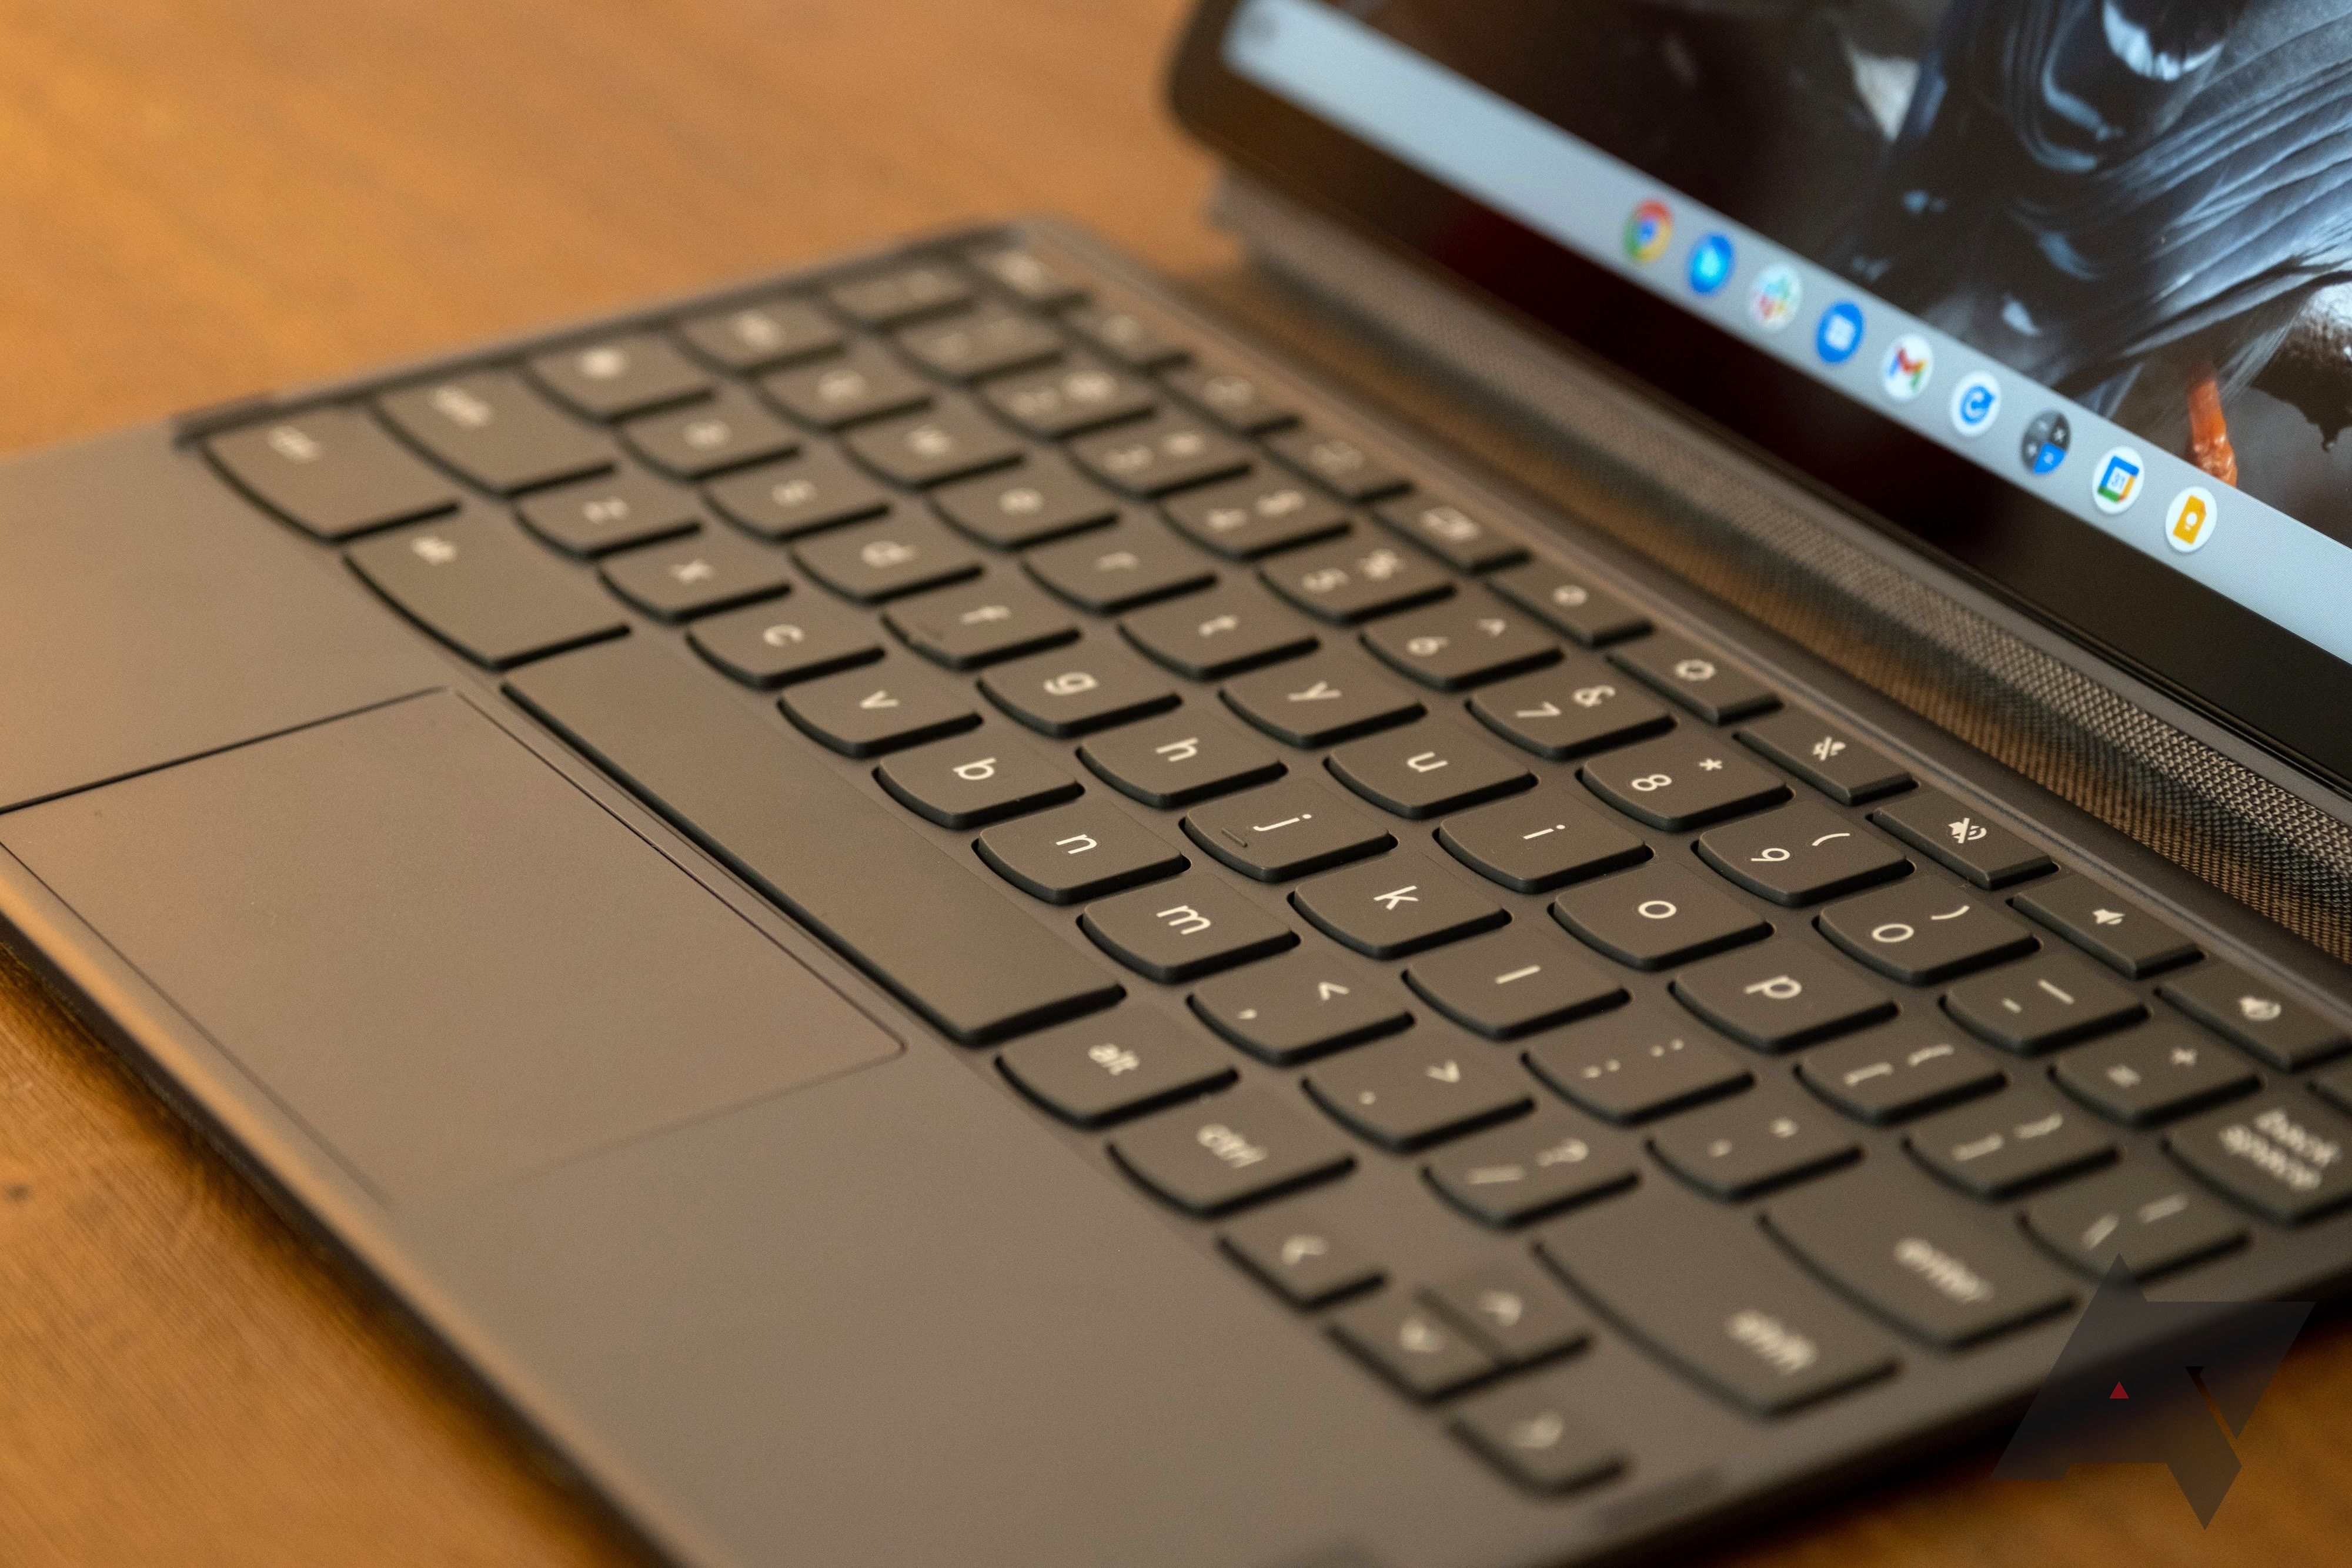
201,198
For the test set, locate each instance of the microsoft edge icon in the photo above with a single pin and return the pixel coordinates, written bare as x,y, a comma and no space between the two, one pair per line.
1710,264
1840,333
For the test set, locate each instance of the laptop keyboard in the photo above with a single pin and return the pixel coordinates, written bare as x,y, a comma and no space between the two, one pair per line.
1361,835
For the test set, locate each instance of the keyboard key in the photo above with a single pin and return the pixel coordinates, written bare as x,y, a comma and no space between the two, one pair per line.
1183,929
1233,1149
2334,1086
1906,1069
867,712
333,471
1027,277
1985,853
772,644
729,429
1318,702
1700,679
2020,1138
980,623
878,561
899,294
1730,1310
837,861
1782,995
1041,499
477,584
1523,1172
1111,1066
1396,904
859,383
1117,569
1932,1265
1569,710
1209,637
1520,1315
1637,1063
974,780
1302,1005
494,429
1538,1437
1764,1139
1062,400
1286,829
2152,1218
987,341
1923,930
1124,335
1426,770
817,489
1568,603
694,577
2155,1073
1233,400
2041,1003
611,378
1345,467
1256,515
1080,852
1464,644
1540,840
1682,781
590,519
2117,933
1178,761
1355,579
756,337
1451,533
1406,1342
1074,691
2278,1029
1825,757
1306,1261
947,440
1656,916
1801,854
1417,1088
1513,983
2282,1156
1159,455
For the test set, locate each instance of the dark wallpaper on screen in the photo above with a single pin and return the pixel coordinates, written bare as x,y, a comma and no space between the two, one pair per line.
2145,204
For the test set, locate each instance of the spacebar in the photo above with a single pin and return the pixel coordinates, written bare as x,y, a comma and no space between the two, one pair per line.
947,943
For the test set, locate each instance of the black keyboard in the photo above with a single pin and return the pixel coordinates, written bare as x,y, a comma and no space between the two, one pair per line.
1279,822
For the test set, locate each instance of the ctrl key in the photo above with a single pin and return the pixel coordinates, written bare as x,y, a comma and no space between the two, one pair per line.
1234,1149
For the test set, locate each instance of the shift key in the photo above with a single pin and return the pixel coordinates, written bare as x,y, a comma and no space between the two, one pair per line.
480,587
1720,1304
933,931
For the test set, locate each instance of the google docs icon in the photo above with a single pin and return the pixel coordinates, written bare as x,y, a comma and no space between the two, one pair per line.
1840,333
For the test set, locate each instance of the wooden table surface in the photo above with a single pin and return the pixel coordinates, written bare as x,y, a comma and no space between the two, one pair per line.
199,201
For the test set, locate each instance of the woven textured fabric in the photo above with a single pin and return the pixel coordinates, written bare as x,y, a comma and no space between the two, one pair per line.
1563,431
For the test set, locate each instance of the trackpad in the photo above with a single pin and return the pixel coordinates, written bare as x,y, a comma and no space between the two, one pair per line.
439,955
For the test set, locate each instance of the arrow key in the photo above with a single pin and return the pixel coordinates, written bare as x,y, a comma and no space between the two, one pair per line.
881,707
1303,1258
1509,1176
1517,1312
1429,1085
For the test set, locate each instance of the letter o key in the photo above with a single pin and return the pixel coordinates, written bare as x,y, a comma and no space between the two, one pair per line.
1656,909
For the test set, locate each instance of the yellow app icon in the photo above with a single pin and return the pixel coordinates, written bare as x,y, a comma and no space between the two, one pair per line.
2190,521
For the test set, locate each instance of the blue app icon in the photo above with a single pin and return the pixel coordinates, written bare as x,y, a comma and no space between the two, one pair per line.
1710,263
1840,333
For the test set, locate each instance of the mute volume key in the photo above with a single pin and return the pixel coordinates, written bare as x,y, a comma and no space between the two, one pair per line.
1961,839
